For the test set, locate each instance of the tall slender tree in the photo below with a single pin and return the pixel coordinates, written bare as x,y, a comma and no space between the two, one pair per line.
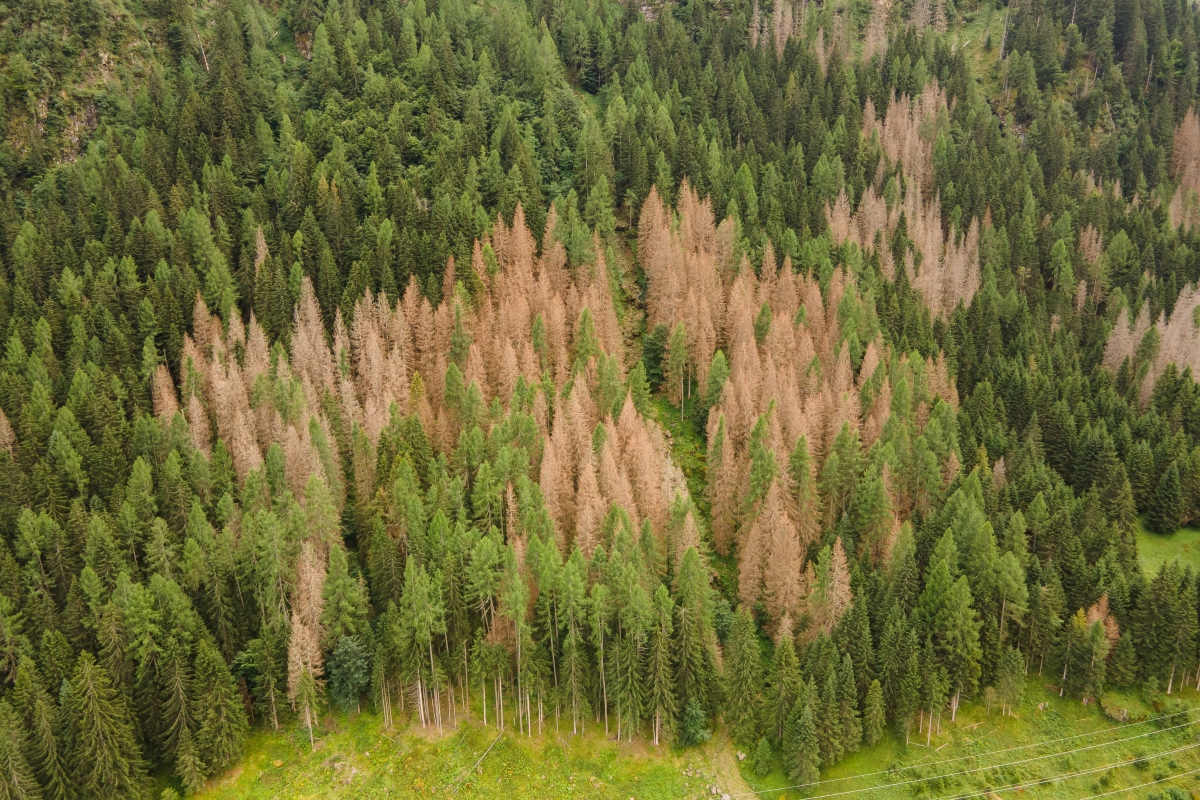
101,746
663,704
743,679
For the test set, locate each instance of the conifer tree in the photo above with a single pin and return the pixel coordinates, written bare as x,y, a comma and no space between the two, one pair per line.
1098,649
909,698
188,764
221,722
16,778
634,612
349,672
422,615
695,667
874,716
101,746
804,483
39,717
959,630
831,596
692,728
800,745
1122,665
662,701
345,607
264,662
639,388
307,699
718,373
599,624
677,361
1046,610
178,709
1075,654
854,636
852,731
1166,506
742,678
1010,680
830,734
786,680
574,668
934,689
950,622
762,758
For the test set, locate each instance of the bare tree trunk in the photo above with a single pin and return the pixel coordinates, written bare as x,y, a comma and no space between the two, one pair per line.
603,684
203,54
518,680
1004,40
1066,660
436,695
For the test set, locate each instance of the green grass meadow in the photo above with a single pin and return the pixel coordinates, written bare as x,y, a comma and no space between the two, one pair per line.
355,758
1155,549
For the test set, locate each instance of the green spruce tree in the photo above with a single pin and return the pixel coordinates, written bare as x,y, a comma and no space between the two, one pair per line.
663,705
874,717
101,745
1166,506
743,676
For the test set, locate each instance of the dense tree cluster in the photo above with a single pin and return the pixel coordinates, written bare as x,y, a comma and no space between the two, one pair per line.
337,340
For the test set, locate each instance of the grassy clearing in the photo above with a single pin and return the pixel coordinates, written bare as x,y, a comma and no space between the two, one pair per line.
687,447
690,453
354,758
976,736
1155,549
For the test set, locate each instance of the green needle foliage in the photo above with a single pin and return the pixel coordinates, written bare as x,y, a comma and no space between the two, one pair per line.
674,371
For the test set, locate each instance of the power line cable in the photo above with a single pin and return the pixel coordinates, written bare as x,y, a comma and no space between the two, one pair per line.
1055,778
973,769
1143,785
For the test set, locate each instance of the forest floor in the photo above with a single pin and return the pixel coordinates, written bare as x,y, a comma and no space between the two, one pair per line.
1051,748
1155,549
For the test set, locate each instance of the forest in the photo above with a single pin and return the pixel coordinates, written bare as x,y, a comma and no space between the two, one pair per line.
351,349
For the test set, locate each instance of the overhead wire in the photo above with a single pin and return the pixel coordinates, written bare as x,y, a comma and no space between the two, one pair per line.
1023,785
1143,785
984,768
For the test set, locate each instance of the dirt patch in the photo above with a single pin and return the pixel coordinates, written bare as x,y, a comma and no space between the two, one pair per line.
227,779
722,758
